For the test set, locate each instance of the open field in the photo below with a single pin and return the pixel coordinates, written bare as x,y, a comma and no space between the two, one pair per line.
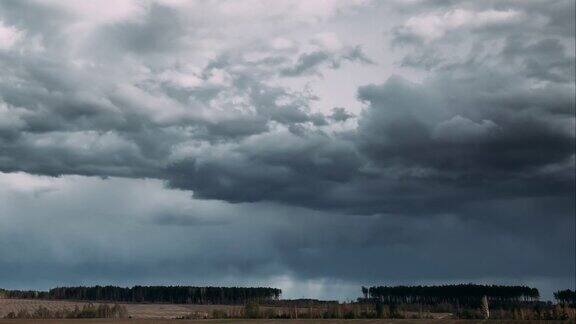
136,311
152,310
327,321
167,313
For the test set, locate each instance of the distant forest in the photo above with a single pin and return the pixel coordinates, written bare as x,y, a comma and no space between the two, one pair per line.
463,295
468,295
154,294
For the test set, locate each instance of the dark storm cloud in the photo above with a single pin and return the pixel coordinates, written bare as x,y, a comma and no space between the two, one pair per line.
269,168
404,124
477,120
417,149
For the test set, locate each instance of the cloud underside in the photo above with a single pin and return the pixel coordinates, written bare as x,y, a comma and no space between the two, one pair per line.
121,231
475,133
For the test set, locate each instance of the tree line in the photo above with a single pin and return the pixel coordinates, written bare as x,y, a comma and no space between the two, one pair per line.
467,295
154,294
566,297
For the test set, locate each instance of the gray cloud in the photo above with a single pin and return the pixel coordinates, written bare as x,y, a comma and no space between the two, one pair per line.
183,218
340,114
306,62
309,63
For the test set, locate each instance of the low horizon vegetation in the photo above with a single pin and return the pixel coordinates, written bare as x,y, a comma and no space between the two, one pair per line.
88,310
402,302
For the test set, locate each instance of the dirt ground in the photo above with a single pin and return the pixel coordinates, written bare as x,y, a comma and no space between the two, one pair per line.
359,321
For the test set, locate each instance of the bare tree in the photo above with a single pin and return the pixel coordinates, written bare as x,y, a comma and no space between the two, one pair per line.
485,309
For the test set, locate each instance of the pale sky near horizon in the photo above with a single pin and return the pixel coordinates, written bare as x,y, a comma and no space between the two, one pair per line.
313,146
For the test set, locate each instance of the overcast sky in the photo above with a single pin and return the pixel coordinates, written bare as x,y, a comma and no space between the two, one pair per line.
314,146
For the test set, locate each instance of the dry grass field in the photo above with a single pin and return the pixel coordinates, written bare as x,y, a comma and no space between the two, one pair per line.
335,321
136,311
150,311
167,314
